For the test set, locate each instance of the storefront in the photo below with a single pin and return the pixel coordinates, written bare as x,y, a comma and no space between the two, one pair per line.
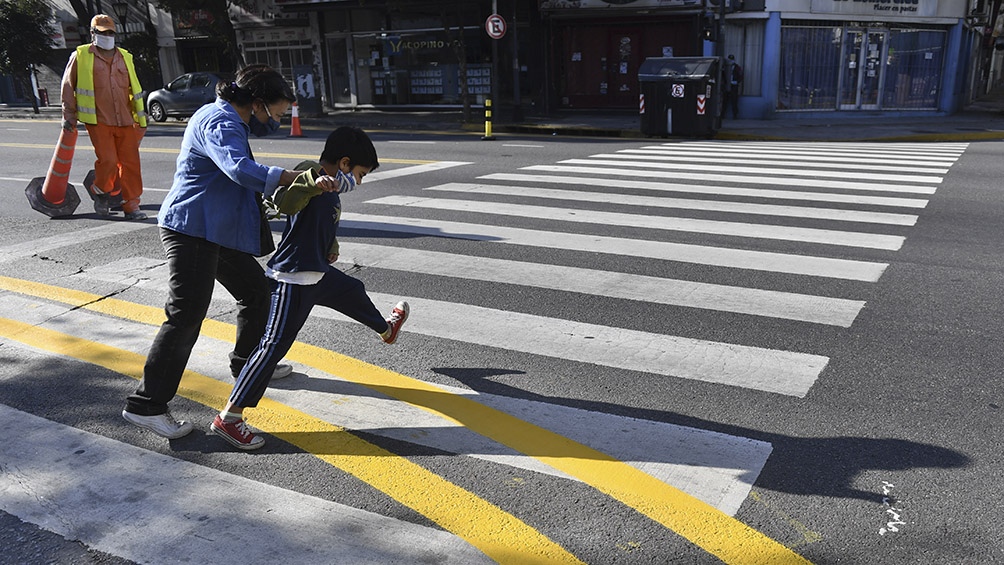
852,56
410,67
596,46
859,67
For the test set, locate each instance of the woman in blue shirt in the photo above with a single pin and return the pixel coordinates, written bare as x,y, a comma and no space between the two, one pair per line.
212,228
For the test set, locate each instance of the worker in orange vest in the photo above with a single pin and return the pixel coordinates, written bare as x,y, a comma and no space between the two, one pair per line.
100,88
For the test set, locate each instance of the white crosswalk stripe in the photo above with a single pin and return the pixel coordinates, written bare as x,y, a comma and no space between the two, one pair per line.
761,231
616,169
836,214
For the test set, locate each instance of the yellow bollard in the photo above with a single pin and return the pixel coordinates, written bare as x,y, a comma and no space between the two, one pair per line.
488,121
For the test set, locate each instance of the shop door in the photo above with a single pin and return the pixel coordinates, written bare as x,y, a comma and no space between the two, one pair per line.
862,69
624,58
340,79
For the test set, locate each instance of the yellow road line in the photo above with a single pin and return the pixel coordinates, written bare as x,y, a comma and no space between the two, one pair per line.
497,533
175,152
700,523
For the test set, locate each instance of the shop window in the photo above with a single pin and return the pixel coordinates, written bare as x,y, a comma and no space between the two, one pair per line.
913,69
810,68
280,55
420,67
860,68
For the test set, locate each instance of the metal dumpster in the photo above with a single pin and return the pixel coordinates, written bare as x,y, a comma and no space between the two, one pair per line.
680,96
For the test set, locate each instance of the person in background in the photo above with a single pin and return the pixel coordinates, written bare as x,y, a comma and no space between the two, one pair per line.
303,275
733,85
212,226
100,88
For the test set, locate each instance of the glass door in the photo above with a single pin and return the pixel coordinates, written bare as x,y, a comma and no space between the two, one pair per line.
862,68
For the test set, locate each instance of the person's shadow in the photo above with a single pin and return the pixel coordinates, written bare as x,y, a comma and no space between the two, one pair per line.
824,466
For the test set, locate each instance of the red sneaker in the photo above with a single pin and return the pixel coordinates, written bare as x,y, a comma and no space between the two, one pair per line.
237,433
397,318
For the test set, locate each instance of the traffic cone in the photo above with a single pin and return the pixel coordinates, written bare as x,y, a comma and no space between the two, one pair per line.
52,194
295,130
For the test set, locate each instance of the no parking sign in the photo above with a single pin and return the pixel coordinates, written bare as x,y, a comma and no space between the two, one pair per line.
495,26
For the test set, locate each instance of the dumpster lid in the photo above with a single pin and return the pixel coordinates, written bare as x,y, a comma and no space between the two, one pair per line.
655,67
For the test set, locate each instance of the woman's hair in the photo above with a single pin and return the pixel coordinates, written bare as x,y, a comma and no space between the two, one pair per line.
255,82
353,143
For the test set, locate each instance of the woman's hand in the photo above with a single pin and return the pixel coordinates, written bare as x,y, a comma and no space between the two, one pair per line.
287,177
332,258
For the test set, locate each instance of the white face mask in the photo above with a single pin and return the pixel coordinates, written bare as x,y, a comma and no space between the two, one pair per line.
104,41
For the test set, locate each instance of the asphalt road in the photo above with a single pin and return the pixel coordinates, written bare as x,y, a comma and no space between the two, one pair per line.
620,351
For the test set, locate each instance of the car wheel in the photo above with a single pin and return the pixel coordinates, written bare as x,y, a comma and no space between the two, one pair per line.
157,112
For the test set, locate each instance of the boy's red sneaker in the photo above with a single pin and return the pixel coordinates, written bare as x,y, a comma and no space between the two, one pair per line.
237,433
397,318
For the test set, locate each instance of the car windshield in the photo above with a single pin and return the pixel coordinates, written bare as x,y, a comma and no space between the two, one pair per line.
180,82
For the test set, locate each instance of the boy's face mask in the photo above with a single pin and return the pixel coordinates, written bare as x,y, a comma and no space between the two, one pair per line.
349,179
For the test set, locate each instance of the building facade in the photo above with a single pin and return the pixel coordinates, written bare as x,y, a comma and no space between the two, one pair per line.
801,57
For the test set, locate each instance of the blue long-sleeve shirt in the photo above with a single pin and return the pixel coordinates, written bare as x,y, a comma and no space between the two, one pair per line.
217,182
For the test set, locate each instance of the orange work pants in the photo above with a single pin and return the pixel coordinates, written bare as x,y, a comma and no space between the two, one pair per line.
117,168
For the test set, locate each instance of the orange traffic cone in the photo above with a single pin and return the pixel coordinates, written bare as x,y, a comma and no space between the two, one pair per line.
295,130
52,195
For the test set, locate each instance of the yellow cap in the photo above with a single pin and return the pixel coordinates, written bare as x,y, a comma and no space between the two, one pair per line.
103,22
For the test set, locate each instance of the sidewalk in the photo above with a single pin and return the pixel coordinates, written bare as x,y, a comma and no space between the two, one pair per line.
982,120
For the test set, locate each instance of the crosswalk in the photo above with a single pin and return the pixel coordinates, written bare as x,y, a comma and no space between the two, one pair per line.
802,213
861,216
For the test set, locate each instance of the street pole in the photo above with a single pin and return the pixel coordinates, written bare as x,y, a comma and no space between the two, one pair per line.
495,65
517,110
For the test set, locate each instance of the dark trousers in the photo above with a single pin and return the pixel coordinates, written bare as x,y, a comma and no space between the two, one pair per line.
290,306
732,97
195,264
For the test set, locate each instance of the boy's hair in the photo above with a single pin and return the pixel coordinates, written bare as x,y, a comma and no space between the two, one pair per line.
353,143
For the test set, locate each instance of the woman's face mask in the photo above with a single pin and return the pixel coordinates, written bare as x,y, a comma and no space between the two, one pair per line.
262,129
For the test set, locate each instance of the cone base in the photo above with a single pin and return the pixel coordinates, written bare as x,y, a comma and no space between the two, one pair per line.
38,202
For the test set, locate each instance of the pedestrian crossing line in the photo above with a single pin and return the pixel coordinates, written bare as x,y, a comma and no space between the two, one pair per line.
845,269
792,155
493,531
803,172
619,169
832,214
73,238
740,300
698,522
890,201
693,225
769,370
905,148
845,151
792,161
423,168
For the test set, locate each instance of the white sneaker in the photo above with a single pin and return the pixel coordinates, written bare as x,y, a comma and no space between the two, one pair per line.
281,371
162,424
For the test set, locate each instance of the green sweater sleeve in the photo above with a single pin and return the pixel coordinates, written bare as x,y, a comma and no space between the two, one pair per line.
290,200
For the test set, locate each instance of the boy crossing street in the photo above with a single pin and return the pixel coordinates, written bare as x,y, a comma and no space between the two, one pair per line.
303,275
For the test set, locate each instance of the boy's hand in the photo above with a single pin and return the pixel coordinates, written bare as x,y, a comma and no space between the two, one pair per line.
332,258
